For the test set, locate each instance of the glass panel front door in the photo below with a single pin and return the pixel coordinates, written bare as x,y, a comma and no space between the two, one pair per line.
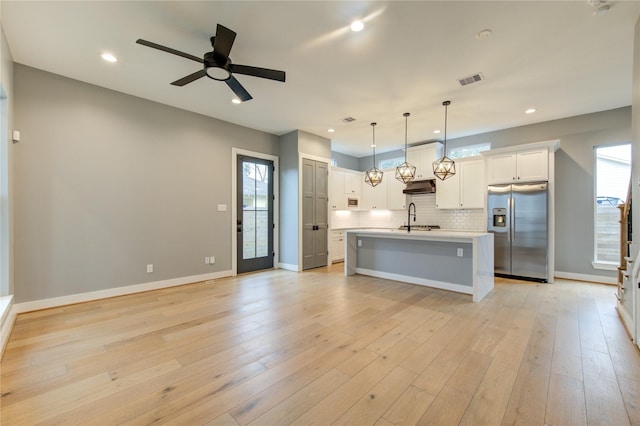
255,214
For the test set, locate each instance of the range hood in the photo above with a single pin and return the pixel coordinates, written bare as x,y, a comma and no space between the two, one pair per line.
421,187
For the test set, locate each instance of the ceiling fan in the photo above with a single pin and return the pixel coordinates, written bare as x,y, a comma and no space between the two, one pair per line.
218,65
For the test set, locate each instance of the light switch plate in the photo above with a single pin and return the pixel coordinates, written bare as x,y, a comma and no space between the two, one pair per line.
460,252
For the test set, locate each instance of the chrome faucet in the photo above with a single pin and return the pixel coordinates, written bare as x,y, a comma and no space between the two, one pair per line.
409,216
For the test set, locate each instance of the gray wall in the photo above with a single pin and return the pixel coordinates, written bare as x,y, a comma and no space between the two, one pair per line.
106,183
6,159
291,145
311,144
345,161
289,198
365,163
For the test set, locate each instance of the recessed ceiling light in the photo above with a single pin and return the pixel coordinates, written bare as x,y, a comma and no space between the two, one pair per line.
481,35
331,130
236,101
436,131
530,111
357,26
109,57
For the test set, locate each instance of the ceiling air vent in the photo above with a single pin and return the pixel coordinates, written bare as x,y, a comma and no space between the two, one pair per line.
348,119
465,81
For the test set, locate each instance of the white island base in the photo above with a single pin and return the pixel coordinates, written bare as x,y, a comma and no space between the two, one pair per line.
456,261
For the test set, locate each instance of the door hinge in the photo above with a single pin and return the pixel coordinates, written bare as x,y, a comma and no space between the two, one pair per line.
273,225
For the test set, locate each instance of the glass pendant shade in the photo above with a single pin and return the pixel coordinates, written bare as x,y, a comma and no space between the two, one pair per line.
373,176
405,172
444,167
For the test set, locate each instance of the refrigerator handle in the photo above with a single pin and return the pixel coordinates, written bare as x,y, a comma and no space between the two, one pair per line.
513,218
510,218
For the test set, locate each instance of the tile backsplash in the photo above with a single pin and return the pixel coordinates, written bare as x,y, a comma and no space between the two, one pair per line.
426,214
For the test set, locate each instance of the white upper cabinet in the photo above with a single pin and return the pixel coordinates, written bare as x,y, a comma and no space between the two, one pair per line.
473,188
533,165
396,199
464,190
375,197
337,197
349,184
518,166
423,157
353,182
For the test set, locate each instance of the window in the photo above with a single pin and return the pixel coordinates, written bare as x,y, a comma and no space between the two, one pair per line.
469,150
612,173
390,163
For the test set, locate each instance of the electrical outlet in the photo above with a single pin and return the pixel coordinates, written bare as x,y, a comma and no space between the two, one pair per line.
149,268
206,260
460,252
212,260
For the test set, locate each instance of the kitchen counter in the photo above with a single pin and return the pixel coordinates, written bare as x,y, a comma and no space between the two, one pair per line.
449,260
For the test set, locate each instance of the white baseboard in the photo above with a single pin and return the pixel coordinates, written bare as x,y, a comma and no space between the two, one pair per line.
7,318
627,320
415,280
54,302
288,267
586,277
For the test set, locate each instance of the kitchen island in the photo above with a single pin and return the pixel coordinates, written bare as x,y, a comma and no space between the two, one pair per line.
449,260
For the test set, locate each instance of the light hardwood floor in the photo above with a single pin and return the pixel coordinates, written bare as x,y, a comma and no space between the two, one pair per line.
278,347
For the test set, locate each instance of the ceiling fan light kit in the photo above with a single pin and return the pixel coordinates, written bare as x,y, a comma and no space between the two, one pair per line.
405,172
444,167
373,176
218,66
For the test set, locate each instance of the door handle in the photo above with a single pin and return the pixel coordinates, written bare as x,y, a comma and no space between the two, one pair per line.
239,223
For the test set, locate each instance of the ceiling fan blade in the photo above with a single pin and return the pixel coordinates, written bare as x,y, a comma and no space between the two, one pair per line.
191,77
223,42
169,50
258,72
237,88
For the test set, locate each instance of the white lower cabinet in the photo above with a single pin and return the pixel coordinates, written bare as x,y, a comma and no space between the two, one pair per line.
464,190
336,246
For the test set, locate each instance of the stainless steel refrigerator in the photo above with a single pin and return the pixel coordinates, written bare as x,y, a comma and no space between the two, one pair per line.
518,221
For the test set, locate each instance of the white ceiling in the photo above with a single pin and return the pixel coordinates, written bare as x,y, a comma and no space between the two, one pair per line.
554,56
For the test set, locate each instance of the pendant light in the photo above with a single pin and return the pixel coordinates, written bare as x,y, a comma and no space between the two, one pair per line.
373,176
445,167
405,172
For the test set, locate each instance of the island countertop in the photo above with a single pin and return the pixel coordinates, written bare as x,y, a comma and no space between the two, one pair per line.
433,235
460,261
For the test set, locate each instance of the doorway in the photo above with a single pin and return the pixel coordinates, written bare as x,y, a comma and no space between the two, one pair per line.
254,213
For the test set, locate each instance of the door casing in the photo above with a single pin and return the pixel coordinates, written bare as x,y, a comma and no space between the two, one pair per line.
234,202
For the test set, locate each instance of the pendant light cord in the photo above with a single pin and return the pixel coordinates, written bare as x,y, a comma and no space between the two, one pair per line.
406,117
446,104
373,128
